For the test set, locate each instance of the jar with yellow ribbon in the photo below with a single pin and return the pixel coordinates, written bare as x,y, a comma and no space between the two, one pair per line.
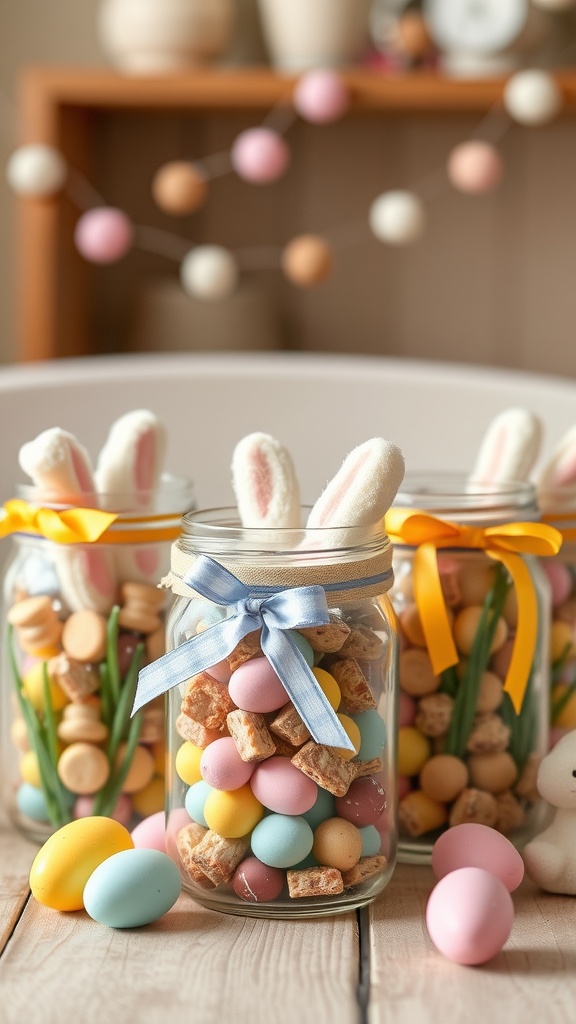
473,605
81,614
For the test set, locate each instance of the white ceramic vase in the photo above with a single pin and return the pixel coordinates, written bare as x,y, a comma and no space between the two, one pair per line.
158,36
305,34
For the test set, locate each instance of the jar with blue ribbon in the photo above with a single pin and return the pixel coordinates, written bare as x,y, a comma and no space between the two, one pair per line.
281,712
473,605
81,614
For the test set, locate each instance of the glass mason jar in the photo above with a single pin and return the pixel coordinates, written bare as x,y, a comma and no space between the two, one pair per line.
281,786
81,614
473,605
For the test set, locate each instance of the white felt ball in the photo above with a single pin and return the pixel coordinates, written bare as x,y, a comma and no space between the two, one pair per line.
209,272
397,217
36,170
532,97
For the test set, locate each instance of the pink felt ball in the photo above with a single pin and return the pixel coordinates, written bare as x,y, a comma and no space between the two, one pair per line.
475,167
259,155
469,915
103,235
282,787
222,767
476,845
321,96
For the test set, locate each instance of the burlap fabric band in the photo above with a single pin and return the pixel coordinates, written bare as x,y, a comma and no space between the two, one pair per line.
350,574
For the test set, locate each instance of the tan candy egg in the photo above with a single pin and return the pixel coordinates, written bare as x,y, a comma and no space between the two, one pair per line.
337,844
416,673
83,768
466,627
306,260
179,187
475,583
494,772
141,770
443,777
412,626
418,813
84,636
490,694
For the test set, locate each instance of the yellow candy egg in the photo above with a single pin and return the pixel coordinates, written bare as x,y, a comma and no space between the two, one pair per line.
566,719
232,813
353,733
329,687
29,769
150,800
33,683
413,750
561,641
187,763
64,864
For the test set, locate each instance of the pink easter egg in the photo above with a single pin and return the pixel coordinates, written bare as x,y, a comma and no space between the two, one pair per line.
221,671
149,834
479,846
404,786
475,167
560,580
256,882
407,709
103,235
469,915
364,802
84,808
178,818
320,96
282,787
222,767
254,686
259,155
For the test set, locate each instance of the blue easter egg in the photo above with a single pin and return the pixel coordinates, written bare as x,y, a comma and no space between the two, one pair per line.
195,799
371,841
303,646
372,734
282,840
324,807
31,802
132,888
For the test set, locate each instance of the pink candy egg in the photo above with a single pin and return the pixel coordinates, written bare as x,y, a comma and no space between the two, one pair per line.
221,671
103,235
256,687
149,834
407,709
559,579
222,767
364,802
469,915
84,808
256,882
282,787
475,845
475,167
321,96
259,155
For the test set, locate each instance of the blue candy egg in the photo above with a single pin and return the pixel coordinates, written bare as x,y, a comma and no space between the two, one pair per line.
132,888
31,802
372,734
303,646
324,807
371,841
196,797
282,840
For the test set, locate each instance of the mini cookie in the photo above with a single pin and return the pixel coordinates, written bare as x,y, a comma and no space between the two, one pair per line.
510,813
141,604
288,725
364,768
217,857
207,701
84,636
249,647
354,687
362,643
489,734
186,842
434,714
76,679
189,729
474,805
367,867
325,767
83,768
250,734
321,881
329,638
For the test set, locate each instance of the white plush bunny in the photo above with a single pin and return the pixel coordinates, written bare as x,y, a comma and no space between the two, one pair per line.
550,859
363,489
557,481
509,448
265,483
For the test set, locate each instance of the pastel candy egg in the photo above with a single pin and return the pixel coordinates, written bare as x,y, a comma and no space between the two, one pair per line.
479,846
337,844
303,645
31,802
254,686
413,750
321,96
33,683
234,813
122,812
195,799
256,882
150,833
282,787
65,862
259,155
323,807
187,763
371,841
560,580
407,708
469,915
132,888
281,841
372,734
353,733
222,767
466,626
150,798
329,687
103,235
364,802
29,769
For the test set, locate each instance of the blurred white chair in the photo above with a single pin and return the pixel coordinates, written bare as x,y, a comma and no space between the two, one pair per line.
320,406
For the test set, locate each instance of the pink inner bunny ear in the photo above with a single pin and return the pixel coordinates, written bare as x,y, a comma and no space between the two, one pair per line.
145,461
329,514
82,472
565,473
260,480
497,454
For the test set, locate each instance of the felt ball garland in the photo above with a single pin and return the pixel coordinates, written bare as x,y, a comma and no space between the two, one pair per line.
260,156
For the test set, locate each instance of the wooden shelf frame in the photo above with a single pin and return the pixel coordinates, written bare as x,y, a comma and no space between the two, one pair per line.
57,107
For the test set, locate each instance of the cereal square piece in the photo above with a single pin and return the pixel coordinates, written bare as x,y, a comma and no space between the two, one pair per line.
189,729
314,882
328,638
283,748
362,643
76,679
354,687
218,858
366,868
251,735
207,701
325,767
249,647
186,842
365,768
289,726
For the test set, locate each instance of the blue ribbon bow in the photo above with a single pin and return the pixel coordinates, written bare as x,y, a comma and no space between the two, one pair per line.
270,609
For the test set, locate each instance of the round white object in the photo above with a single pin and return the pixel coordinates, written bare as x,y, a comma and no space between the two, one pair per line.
36,170
476,26
397,218
209,272
532,97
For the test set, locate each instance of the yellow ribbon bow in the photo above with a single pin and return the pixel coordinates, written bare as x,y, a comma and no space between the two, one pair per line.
65,526
506,543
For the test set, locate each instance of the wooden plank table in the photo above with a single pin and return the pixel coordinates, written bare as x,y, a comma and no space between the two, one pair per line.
195,965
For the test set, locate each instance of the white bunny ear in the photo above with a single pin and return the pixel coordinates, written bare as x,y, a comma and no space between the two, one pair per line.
265,483
509,448
557,479
363,489
131,460
59,466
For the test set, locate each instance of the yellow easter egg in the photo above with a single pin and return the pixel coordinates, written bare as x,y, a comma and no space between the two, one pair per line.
64,864
150,799
33,683
232,813
413,750
353,733
329,687
567,717
29,769
187,763
561,641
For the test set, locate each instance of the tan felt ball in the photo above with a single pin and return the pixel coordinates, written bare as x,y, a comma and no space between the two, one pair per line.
307,260
179,187
84,636
495,772
443,777
83,768
337,844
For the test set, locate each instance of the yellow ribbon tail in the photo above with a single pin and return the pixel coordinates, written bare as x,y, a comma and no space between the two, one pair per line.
432,608
64,526
525,640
